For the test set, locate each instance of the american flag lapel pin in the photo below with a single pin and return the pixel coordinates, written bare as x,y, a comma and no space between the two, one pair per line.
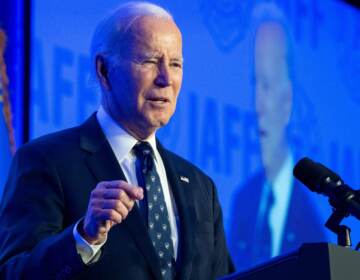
184,179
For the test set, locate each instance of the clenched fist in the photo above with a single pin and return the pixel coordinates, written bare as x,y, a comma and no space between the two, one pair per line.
110,203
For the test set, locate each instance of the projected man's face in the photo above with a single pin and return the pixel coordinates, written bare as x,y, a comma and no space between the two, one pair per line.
143,86
273,89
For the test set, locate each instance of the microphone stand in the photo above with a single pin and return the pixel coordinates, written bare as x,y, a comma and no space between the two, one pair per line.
342,231
339,213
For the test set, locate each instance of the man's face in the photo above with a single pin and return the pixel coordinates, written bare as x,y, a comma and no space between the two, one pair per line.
273,93
143,85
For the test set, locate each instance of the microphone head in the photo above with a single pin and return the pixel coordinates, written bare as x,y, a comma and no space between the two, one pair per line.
313,174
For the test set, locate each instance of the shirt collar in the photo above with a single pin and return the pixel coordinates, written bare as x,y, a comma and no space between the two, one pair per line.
120,140
284,177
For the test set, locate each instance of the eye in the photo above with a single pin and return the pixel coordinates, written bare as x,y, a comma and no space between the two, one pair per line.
149,61
176,64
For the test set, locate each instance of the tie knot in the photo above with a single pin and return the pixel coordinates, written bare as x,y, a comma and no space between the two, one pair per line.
143,149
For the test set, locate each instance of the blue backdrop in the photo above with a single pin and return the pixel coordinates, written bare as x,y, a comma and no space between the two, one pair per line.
265,83
11,83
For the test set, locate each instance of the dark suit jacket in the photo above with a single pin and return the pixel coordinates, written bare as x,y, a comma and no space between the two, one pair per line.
302,222
48,192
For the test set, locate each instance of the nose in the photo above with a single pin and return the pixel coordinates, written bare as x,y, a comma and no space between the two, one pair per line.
264,95
163,78
259,102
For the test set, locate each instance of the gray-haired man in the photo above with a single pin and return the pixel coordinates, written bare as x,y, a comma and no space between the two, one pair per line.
105,200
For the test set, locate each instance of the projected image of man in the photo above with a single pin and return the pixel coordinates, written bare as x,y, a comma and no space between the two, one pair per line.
271,214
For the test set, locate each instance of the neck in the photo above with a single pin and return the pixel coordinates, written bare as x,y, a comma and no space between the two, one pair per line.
276,160
134,130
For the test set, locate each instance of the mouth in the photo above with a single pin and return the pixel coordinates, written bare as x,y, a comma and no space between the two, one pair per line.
158,99
262,132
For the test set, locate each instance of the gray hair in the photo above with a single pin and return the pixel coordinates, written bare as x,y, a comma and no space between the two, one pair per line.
270,12
107,36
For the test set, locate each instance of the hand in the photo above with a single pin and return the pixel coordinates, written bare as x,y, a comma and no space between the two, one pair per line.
110,203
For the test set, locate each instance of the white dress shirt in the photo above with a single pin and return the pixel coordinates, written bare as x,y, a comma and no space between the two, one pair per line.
121,143
282,188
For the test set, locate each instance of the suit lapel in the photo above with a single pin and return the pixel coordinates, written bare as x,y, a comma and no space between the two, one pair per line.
180,186
103,164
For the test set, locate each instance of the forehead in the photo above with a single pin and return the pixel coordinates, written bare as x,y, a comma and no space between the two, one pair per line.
270,50
150,33
270,39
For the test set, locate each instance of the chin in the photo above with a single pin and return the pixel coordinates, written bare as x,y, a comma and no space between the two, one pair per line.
159,123
151,125
158,120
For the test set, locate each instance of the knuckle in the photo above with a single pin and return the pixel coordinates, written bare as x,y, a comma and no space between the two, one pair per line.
96,193
93,193
122,195
118,205
112,214
93,203
100,185
125,213
104,183
131,204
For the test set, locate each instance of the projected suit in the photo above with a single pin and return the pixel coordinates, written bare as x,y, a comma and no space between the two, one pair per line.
71,186
301,225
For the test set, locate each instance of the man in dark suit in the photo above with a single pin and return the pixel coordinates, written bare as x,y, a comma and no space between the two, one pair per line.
73,207
271,214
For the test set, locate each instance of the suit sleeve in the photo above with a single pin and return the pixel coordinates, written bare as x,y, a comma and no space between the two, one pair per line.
33,241
222,263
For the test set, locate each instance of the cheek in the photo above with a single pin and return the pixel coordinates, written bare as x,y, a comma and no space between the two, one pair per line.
172,108
132,93
142,76
177,85
178,79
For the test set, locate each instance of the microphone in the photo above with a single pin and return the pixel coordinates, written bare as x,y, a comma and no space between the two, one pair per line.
320,179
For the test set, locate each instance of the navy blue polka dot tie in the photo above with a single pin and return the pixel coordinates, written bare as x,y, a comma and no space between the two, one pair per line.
157,214
261,249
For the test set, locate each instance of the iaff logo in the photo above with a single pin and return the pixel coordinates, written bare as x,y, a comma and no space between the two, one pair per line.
226,20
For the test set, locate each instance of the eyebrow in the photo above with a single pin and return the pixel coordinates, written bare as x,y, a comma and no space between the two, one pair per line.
154,54
178,59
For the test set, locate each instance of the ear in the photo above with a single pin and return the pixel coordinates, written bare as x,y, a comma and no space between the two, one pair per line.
102,72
